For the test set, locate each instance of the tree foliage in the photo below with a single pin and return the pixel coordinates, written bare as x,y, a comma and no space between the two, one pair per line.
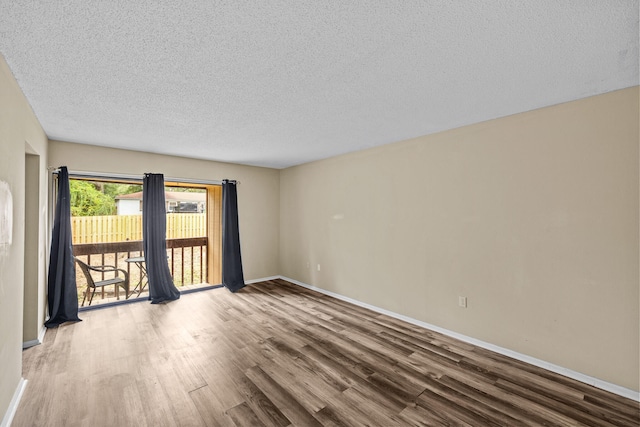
112,189
184,189
88,200
91,198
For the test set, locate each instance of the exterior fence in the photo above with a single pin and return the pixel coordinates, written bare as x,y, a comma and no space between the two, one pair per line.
122,228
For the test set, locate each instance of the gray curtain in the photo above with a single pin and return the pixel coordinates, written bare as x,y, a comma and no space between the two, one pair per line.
154,236
61,281
232,277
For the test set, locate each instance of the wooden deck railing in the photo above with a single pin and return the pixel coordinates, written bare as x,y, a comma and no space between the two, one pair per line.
187,259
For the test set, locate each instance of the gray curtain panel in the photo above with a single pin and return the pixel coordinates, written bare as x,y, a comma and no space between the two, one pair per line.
232,277
154,236
61,281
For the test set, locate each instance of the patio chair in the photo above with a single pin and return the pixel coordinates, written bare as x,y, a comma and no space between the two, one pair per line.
92,285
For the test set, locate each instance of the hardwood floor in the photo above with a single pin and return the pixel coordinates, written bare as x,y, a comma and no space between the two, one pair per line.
275,354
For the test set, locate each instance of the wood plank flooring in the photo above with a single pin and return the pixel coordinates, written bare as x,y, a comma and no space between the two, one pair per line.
275,354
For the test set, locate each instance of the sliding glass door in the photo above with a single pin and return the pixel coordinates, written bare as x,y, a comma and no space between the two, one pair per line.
107,230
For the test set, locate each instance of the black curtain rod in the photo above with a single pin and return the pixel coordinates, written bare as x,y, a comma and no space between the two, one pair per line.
133,178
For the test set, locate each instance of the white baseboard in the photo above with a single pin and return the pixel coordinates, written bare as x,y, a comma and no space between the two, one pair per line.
264,279
13,406
29,344
604,385
37,341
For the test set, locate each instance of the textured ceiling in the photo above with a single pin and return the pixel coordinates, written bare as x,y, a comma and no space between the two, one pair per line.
279,83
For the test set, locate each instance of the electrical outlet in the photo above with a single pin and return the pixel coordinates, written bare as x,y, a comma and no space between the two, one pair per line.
462,302
318,267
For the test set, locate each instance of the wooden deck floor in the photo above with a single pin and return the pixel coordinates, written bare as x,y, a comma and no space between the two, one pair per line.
276,354
110,299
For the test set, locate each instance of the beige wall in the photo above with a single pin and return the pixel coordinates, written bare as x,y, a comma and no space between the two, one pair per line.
258,192
20,133
532,217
